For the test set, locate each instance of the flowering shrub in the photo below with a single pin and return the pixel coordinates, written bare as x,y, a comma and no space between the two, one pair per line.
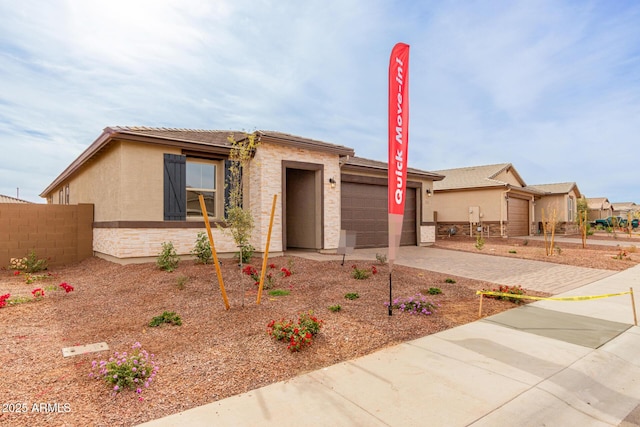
417,304
3,299
362,273
134,371
622,254
285,272
514,290
38,293
297,334
250,270
67,288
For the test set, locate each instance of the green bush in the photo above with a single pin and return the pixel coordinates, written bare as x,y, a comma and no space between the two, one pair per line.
434,291
279,292
168,259
335,308
352,295
202,249
166,317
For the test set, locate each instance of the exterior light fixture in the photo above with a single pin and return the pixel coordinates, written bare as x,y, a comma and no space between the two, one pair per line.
429,193
332,182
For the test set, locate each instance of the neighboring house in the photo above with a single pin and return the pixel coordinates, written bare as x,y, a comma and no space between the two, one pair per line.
144,184
492,198
623,208
9,199
599,208
561,198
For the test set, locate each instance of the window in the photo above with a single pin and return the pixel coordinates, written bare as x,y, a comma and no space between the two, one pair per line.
570,210
201,179
66,194
185,179
61,197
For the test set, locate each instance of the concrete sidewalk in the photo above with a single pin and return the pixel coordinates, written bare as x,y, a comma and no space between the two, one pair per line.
548,363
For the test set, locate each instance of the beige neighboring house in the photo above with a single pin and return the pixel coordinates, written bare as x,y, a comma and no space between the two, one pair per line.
9,199
144,184
493,199
623,208
599,208
561,198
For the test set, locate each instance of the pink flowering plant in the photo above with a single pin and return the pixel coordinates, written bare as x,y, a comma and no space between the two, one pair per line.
135,370
417,304
298,334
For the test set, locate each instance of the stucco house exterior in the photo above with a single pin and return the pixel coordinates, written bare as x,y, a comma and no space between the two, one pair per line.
598,208
562,198
144,183
624,208
492,199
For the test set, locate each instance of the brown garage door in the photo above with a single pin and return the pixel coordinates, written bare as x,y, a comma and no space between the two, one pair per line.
518,217
364,210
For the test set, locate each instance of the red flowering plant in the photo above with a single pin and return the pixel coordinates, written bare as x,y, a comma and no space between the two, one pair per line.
38,293
505,289
250,270
67,288
297,334
3,299
285,272
363,273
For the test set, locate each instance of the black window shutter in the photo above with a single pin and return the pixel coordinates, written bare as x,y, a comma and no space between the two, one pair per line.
175,187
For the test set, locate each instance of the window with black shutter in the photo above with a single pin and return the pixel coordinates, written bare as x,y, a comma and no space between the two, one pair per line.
175,198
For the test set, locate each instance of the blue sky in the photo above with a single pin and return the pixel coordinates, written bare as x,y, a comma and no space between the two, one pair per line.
552,87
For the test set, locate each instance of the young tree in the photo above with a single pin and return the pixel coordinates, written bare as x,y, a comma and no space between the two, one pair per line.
238,219
582,213
549,226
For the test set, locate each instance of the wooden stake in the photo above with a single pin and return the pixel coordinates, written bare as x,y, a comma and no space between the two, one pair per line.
266,251
480,309
633,305
213,251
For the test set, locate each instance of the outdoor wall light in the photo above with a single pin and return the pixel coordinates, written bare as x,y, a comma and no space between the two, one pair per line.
428,191
332,182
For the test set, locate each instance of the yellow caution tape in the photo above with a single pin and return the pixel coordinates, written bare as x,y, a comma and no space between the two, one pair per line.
578,298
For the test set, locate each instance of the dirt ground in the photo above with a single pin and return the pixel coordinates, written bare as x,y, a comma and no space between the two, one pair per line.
217,353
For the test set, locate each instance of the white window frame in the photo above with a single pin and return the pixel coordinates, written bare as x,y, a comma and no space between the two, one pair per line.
218,177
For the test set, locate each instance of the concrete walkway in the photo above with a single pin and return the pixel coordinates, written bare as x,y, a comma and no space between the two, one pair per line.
548,363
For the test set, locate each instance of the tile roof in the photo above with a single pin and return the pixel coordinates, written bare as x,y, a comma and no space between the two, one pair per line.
598,203
9,199
556,188
361,162
471,177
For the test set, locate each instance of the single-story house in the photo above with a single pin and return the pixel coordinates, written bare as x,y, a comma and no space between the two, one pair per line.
598,208
623,208
563,199
492,199
9,199
144,184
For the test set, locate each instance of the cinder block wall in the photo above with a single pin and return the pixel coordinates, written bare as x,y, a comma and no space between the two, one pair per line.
61,233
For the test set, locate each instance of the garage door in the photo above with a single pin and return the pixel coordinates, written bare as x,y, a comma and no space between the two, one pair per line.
518,217
364,210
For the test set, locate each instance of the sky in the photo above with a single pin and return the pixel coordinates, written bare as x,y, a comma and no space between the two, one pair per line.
552,87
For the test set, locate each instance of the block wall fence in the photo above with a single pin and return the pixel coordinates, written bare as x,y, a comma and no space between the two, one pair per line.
63,234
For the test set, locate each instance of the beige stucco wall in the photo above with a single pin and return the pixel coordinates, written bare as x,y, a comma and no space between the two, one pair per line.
453,206
560,203
124,182
266,180
509,177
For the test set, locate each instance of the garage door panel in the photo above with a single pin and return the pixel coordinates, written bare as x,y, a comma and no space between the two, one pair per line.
518,217
364,210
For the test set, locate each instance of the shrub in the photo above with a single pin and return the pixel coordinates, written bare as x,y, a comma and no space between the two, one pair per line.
434,291
505,289
29,264
479,243
166,317
414,305
297,334
335,308
279,292
247,254
363,273
182,281
513,251
134,371
202,249
449,280
168,259
382,258
352,295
